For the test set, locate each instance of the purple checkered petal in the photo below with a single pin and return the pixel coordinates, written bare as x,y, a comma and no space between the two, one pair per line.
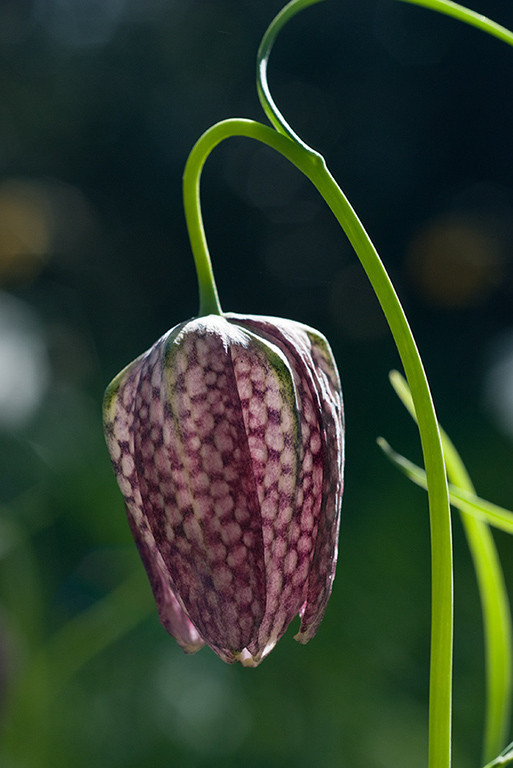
171,613
324,561
318,509
273,422
227,441
119,420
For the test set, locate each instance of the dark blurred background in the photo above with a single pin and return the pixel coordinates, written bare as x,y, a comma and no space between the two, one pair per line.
100,104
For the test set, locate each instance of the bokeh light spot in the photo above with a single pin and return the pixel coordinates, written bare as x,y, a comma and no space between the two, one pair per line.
24,366
455,263
25,231
499,383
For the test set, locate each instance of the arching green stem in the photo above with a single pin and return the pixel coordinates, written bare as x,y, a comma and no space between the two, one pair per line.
314,167
209,300
274,115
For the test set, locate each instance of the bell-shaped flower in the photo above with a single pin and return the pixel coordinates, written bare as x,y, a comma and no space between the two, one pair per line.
227,439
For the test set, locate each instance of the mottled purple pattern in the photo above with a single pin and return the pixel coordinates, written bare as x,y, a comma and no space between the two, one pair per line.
227,441
119,432
310,355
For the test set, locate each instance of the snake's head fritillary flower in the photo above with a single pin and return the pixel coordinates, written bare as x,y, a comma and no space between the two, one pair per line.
227,439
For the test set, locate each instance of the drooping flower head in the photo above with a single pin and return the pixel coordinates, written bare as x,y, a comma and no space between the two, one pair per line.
227,440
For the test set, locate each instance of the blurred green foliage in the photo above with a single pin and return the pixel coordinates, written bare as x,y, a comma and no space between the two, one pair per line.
100,105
